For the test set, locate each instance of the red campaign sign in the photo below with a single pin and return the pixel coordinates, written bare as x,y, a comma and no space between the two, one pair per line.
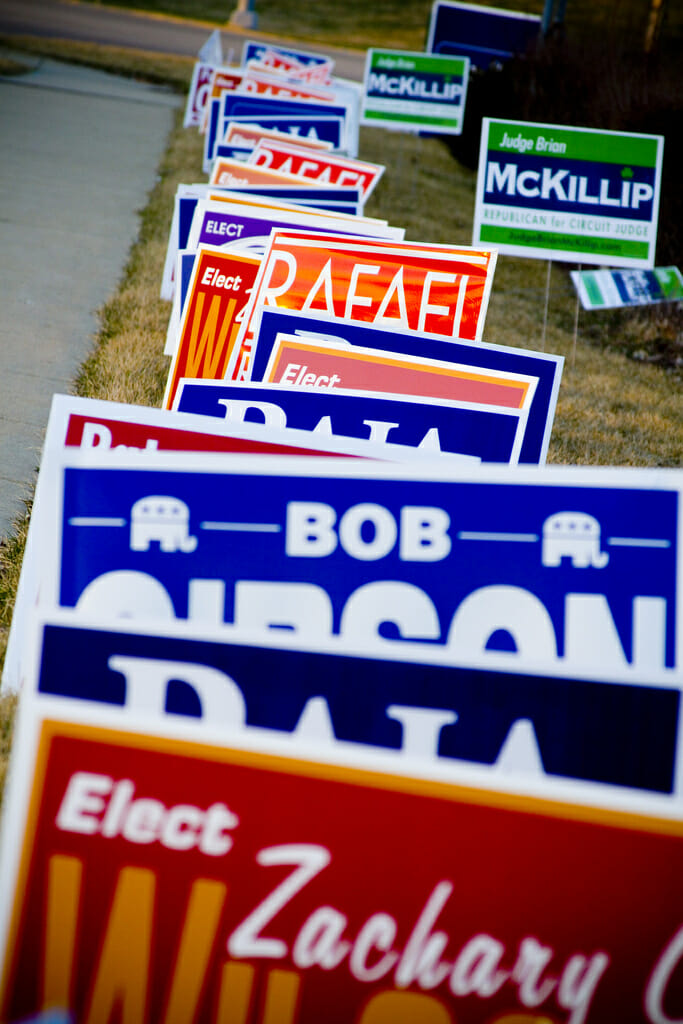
198,95
440,290
262,84
166,881
219,291
274,60
330,170
103,433
315,364
223,80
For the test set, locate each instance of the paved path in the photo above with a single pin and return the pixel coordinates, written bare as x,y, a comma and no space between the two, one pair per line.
80,150
92,23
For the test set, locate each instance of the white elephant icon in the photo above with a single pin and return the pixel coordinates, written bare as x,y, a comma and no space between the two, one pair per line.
161,518
574,535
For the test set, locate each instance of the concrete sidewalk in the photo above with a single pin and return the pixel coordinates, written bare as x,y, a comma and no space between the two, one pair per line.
80,150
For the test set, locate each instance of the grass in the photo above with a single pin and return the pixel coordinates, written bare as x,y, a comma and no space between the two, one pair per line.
403,25
613,409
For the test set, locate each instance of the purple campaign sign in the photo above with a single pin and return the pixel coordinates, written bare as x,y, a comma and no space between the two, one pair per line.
223,224
547,368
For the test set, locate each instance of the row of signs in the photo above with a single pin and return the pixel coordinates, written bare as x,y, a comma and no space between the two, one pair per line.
299,652
543,191
245,677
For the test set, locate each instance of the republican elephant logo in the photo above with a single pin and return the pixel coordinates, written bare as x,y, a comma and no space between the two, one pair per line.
574,535
159,518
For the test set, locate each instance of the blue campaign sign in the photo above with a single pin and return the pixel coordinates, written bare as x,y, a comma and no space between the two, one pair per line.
186,264
491,434
320,126
546,368
609,732
253,50
211,135
243,106
578,567
486,35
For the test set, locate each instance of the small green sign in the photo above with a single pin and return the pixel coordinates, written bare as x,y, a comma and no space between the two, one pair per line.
415,91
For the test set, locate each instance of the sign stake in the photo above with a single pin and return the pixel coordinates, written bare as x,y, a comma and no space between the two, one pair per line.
545,310
576,322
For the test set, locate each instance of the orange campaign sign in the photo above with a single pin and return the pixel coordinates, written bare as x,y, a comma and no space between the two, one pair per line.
246,134
331,170
223,80
321,364
413,286
231,173
218,293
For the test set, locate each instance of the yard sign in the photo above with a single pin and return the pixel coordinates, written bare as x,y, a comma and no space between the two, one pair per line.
575,194
415,91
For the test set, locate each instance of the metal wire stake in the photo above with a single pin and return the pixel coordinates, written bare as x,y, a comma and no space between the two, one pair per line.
576,322
547,299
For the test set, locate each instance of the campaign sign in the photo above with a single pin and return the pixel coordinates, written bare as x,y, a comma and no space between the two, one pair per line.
440,290
491,433
272,60
88,423
560,564
231,222
232,173
343,199
529,729
223,80
244,132
281,88
330,169
248,136
607,289
268,52
198,94
547,369
186,880
415,91
259,108
577,194
112,426
257,82
319,363
220,288
487,35
323,131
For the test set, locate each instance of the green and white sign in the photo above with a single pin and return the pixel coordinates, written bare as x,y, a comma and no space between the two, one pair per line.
415,91
577,194
607,289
